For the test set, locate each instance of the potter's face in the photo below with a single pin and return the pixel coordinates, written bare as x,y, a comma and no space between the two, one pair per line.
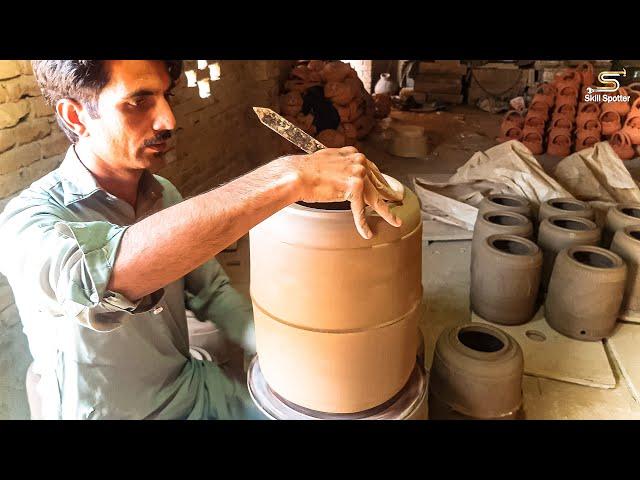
135,125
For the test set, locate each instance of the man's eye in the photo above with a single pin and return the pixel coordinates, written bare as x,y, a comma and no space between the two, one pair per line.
168,95
137,102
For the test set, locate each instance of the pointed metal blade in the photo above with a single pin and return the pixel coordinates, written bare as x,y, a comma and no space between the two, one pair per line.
288,130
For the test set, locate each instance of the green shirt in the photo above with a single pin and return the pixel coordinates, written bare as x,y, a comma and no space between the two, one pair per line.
99,354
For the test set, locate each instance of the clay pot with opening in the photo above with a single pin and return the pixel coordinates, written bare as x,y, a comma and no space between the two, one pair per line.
622,145
559,143
626,243
476,373
618,217
505,202
586,139
505,277
621,108
585,292
566,110
533,141
511,119
535,122
561,123
496,222
610,122
565,206
512,133
562,231
632,129
586,73
336,315
594,126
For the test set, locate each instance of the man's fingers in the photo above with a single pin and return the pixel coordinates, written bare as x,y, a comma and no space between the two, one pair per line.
357,208
381,184
375,200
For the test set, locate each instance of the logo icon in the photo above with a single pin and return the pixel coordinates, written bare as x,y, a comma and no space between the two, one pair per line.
609,80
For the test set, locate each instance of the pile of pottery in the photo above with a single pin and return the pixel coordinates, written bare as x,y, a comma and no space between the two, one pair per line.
581,270
557,123
333,91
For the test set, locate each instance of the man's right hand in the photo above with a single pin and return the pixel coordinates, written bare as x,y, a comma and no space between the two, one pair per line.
339,174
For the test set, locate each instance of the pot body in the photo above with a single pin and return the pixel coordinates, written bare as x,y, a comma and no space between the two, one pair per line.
336,315
585,292
476,373
618,217
505,278
626,243
496,222
562,231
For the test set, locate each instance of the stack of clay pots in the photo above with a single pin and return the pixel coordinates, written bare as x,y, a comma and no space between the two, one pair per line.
340,85
558,122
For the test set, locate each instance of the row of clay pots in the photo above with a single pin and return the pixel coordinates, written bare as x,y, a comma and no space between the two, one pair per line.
576,308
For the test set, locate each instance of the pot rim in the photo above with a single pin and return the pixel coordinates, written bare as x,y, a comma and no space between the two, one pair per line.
482,328
505,213
585,221
534,249
523,201
632,228
551,202
614,257
620,206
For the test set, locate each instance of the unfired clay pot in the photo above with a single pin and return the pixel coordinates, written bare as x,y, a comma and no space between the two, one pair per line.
500,222
505,277
610,122
632,129
585,292
562,231
533,141
565,206
505,201
559,143
476,373
626,243
622,145
336,315
618,217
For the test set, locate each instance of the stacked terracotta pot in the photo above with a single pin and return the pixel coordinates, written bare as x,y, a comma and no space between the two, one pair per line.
559,123
340,83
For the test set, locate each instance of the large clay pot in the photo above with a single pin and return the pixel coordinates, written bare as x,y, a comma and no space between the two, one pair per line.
565,206
512,118
626,243
533,141
505,277
632,129
585,292
505,202
559,143
336,315
586,73
610,122
562,231
623,146
476,374
503,222
618,217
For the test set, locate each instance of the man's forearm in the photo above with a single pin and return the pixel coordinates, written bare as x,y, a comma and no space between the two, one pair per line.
169,244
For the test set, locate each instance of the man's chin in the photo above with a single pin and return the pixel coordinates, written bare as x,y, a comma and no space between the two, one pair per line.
155,161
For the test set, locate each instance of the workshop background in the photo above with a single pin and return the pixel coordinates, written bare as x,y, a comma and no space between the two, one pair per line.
458,105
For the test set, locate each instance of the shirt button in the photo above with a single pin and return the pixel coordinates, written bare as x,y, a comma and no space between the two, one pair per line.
157,310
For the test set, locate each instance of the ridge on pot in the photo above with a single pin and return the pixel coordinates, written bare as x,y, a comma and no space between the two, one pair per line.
562,231
565,206
487,383
585,292
505,201
626,243
494,222
618,217
505,277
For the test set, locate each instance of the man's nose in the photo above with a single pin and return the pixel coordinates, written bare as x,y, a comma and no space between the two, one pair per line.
165,120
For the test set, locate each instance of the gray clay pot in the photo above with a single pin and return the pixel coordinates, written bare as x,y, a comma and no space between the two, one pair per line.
565,206
626,243
495,222
504,201
618,217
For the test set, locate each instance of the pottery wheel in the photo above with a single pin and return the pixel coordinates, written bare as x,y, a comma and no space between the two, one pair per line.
402,405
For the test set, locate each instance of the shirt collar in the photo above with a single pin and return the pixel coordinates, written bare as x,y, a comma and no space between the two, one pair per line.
79,183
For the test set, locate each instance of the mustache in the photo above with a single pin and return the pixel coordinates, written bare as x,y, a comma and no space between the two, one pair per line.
159,138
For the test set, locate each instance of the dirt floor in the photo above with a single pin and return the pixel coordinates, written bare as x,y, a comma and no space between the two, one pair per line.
453,138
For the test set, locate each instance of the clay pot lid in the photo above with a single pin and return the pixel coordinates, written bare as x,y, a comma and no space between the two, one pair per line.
570,223
510,246
594,258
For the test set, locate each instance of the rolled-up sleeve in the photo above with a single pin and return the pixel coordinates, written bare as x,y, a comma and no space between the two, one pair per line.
66,265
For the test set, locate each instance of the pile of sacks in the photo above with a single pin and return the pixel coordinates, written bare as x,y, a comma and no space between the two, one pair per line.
558,123
338,84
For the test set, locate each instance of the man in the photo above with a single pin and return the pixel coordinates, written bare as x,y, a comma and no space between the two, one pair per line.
99,252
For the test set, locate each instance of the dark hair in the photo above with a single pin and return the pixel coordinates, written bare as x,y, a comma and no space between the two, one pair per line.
82,81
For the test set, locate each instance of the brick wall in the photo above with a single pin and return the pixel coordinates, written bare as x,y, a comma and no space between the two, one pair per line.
218,139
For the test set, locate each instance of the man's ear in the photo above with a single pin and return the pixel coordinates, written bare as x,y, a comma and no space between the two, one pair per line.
72,114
